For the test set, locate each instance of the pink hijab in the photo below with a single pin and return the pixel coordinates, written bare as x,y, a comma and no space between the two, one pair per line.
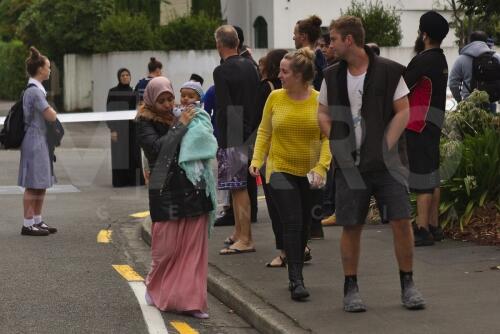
155,88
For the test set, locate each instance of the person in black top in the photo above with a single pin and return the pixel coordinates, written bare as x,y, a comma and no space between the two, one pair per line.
426,77
305,34
270,67
155,70
125,152
236,81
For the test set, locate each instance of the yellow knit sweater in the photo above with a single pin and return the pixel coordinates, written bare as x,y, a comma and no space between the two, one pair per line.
290,137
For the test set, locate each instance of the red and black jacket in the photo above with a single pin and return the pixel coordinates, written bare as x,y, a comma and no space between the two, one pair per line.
426,76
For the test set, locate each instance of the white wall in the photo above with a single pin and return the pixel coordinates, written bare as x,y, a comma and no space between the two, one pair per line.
88,78
77,82
285,13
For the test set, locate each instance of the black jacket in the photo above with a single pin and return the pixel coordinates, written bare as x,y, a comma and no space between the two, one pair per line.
430,64
171,195
236,81
381,81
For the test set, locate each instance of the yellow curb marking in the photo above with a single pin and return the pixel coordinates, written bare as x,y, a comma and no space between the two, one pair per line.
183,328
142,214
261,198
104,236
128,273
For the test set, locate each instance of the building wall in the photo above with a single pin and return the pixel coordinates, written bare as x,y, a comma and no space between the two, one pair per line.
175,9
88,78
282,15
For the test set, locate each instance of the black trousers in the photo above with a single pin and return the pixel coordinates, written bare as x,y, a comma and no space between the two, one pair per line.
273,212
293,199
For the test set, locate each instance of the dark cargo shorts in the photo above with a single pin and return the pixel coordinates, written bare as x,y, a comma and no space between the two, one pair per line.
352,199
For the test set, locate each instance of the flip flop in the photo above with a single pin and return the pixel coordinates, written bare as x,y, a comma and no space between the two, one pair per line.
229,241
281,265
232,251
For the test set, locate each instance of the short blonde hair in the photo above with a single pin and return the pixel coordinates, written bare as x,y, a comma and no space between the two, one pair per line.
302,61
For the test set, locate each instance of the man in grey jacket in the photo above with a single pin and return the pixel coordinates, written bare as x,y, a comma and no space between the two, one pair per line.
461,73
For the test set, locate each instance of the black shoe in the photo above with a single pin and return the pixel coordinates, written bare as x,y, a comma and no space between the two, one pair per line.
34,231
226,220
317,235
298,290
422,237
437,233
43,226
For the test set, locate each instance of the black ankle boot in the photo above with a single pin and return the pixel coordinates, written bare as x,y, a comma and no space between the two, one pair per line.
298,290
296,286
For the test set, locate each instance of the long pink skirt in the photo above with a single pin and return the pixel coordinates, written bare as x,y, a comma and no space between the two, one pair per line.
178,277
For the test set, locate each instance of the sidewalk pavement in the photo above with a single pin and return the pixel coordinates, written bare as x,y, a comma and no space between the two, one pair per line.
461,288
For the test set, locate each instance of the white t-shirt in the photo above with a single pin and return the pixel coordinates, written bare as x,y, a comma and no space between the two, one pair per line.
355,85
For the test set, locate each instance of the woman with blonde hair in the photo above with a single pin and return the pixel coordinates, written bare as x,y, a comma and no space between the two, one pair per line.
298,157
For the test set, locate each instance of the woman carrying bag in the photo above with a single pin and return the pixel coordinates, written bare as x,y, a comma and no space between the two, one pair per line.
36,172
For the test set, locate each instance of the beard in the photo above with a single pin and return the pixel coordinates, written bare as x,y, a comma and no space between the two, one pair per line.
419,44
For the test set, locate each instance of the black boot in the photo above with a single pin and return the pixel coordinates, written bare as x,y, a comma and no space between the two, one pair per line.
297,289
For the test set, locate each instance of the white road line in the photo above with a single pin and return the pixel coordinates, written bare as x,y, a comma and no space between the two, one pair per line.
152,315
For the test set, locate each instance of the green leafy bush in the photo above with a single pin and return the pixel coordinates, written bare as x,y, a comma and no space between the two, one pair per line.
58,27
124,32
194,32
470,156
12,69
381,23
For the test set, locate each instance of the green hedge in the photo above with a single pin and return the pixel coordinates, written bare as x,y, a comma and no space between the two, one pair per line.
12,69
195,32
125,32
381,22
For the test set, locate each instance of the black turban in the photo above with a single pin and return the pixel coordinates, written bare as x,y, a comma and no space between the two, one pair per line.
435,25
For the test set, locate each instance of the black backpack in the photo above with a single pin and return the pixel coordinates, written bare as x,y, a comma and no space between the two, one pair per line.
12,134
486,75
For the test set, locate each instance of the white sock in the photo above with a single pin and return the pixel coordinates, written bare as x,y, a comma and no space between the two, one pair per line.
29,222
37,219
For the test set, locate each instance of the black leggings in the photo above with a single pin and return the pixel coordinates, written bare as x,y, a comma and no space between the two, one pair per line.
293,200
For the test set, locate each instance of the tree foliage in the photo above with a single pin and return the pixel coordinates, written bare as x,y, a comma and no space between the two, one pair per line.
125,32
12,71
195,32
10,10
381,23
470,15
211,8
150,9
63,26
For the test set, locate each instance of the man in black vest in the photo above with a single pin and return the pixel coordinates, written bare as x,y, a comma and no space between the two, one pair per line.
364,110
427,76
236,81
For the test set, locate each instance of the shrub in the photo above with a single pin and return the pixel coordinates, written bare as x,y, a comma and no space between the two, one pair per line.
12,69
470,157
381,23
124,32
194,32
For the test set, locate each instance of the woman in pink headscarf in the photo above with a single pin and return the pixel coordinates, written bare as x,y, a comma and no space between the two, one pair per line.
178,278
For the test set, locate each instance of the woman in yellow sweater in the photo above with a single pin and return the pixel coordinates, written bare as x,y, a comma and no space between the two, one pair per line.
298,156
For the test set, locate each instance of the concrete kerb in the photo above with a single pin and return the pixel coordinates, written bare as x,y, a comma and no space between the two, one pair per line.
263,316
